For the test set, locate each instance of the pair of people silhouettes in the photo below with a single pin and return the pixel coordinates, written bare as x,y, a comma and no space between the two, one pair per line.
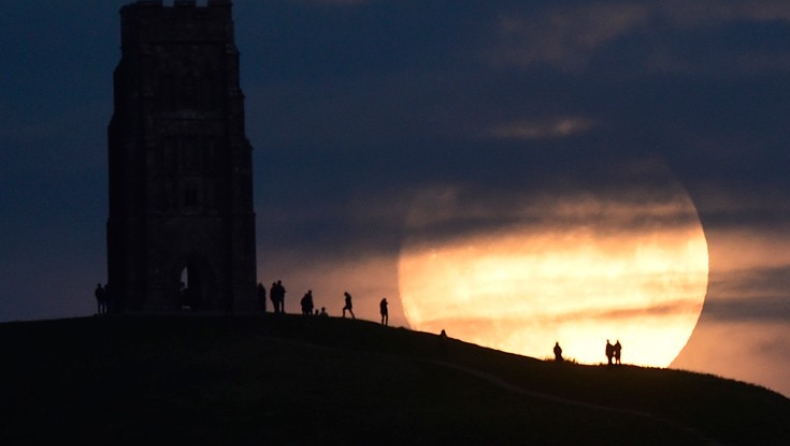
613,352
383,309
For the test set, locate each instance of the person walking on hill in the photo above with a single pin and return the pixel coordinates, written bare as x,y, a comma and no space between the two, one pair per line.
616,352
348,306
385,315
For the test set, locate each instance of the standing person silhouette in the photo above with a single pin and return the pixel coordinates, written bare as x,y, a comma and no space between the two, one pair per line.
348,306
307,303
101,300
557,352
609,352
385,315
616,351
281,296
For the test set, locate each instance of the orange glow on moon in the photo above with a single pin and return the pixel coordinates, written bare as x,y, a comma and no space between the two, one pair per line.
522,287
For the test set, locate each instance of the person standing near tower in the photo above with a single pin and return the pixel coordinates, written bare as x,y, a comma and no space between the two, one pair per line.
101,300
273,298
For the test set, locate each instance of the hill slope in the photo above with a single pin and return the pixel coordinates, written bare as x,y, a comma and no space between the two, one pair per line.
296,380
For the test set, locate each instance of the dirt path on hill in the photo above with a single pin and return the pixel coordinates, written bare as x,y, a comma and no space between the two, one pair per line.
504,385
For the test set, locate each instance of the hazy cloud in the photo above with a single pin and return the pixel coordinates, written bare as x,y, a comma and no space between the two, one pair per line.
756,294
543,129
750,309
700,12
564,36
663,310
592,315
569,36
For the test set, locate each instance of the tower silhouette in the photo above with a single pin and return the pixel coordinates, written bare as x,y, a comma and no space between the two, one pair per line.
181,229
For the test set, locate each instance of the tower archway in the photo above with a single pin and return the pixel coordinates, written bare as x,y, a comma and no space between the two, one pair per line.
196,283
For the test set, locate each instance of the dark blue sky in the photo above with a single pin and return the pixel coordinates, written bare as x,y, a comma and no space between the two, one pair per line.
354,106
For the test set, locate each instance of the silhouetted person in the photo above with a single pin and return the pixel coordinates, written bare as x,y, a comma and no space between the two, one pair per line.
557,352
111,304
609,352
262,297
101,299
323,312
307,303
385,314
348,306
281,295
443,344
273,298
616,351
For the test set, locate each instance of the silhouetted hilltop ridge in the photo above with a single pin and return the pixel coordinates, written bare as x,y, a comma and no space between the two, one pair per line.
310,380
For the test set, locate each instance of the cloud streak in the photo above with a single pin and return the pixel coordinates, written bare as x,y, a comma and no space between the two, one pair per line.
543,129
571,35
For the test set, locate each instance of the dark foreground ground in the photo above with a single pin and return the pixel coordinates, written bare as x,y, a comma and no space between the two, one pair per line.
296,380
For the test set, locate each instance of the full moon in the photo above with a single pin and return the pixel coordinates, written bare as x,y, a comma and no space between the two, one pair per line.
577,269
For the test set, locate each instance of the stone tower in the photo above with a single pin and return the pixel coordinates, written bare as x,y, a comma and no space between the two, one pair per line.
181,230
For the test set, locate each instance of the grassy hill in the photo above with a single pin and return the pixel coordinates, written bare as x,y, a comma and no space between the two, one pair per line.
296,380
